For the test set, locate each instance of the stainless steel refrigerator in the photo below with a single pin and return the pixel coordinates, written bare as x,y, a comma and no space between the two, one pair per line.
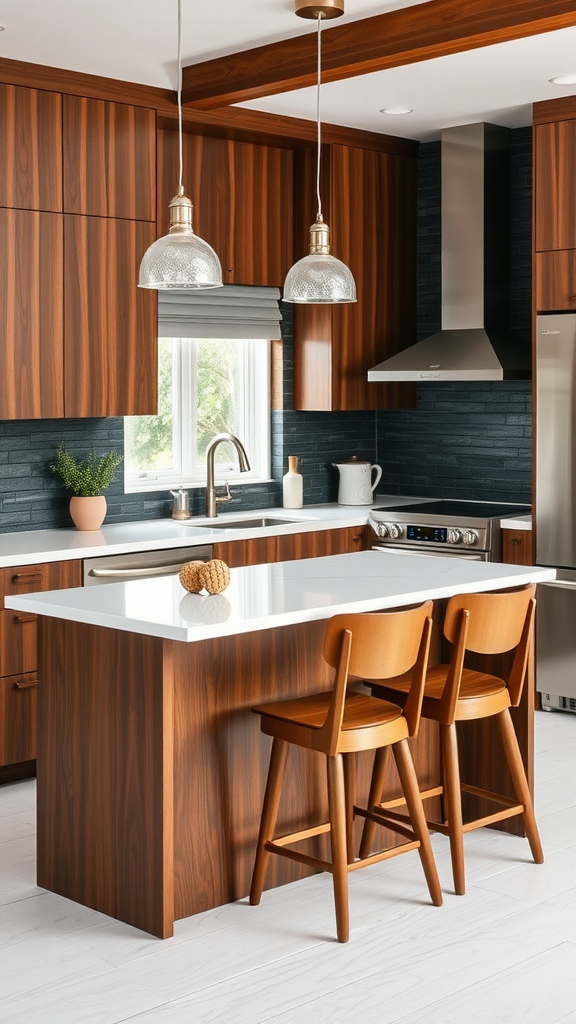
556,508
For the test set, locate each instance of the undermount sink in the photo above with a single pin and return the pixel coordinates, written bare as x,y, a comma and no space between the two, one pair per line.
250,524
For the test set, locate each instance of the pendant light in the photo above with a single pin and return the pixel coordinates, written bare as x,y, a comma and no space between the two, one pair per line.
319,277
180,259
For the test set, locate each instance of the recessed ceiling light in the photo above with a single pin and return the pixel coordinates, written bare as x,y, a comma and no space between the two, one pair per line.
564,79
396,110
2,27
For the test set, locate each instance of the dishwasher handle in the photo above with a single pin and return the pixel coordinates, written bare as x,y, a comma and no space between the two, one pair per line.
156,570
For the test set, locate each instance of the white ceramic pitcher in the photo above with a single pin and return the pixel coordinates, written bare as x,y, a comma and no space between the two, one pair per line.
358,480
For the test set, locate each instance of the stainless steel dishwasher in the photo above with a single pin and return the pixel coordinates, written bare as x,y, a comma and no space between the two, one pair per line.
141,564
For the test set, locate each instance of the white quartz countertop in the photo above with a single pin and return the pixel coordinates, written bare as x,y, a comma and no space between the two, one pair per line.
60,545
279,594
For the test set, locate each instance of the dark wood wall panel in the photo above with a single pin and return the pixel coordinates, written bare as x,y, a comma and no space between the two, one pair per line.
31,322
242,196
110,324
554,167
31,149
109,159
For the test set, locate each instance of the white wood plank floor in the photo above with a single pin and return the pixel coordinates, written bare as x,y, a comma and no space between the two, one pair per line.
506,952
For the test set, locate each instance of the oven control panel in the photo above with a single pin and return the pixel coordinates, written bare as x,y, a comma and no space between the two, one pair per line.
411,534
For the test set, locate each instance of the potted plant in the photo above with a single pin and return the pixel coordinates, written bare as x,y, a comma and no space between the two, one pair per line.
87,478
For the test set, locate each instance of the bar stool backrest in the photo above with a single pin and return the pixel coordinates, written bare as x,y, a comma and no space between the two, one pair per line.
496,619
384,644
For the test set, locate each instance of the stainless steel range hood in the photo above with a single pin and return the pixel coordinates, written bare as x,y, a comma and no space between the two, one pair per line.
475,342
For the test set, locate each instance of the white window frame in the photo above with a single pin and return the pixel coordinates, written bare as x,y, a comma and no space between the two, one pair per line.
253,429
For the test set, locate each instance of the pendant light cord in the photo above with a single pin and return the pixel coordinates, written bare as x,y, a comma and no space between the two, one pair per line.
180,184
318,81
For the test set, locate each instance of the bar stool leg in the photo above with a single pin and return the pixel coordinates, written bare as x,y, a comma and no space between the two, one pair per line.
411,791
516,766
376,790
272,795
350,790
337,808
453,804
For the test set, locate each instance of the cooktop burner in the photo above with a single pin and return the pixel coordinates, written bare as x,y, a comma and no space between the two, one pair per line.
462,509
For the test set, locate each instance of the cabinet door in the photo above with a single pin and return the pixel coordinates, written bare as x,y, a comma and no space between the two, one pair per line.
18,696
555,280
242,195
518,547
31,317
110,325
370,206
109,159
290,546
554,176
31,148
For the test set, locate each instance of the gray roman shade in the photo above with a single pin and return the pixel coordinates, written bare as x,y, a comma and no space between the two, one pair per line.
234,311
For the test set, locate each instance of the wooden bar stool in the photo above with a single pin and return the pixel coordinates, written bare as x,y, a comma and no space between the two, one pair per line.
487,624
337,724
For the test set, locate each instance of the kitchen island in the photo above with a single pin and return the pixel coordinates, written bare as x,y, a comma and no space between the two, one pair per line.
151,768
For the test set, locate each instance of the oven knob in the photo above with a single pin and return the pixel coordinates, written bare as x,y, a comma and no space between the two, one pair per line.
454,536
394,531
470,537
382,529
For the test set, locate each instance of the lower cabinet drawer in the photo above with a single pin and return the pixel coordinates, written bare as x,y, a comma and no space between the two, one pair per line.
18,695
17,642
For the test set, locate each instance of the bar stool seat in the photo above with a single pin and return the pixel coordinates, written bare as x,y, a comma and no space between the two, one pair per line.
485,624
338,723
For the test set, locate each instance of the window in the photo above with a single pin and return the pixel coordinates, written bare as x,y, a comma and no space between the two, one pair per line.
205,387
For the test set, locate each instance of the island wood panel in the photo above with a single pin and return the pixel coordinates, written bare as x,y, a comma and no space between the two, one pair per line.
555,280
109,159
369,202
31,317
18,697
284,548
554,175
31,147
105,772
110,325
28,579
518,547
242,196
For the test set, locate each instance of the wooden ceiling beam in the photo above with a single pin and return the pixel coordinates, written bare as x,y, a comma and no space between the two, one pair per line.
405,36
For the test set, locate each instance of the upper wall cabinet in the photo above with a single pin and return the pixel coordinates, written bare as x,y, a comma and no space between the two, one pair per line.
242,196
554,177
109,159
31,149
369,202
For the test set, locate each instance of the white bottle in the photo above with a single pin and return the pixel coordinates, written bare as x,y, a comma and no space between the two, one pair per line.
292,485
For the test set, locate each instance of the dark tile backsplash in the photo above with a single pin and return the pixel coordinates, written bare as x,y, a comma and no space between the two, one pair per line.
463,440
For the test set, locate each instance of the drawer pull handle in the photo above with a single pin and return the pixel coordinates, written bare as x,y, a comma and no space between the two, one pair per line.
27,577
25,618
28,684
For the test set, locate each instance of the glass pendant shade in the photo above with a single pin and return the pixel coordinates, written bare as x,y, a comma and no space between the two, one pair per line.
319,277
180,259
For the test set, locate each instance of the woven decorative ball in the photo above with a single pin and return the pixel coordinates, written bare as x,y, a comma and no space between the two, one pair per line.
214,576
190,576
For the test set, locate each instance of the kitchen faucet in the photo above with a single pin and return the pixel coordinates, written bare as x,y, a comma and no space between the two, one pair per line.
211,498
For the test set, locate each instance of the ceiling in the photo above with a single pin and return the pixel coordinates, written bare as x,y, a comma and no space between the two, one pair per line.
135,40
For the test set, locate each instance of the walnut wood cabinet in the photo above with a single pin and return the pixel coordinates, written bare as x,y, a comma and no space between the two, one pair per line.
518,547
294,545
554,175
77,212
242,196
369,202
555,279
18,656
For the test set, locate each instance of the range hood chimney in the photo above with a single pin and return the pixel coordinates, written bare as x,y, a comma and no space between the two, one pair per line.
475,342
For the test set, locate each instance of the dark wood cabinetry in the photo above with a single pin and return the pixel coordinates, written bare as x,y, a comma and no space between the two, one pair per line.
242,196
369,202
518,547
109,159
294,545
31,148
110,331
31,315
18,657
555,173
555,279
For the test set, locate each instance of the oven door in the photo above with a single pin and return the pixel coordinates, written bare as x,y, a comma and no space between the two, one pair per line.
471,556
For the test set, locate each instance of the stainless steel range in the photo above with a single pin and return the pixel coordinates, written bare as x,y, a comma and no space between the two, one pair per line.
463,529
